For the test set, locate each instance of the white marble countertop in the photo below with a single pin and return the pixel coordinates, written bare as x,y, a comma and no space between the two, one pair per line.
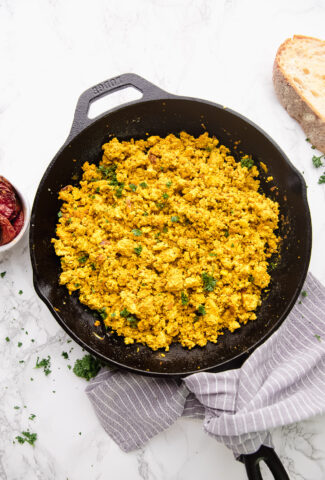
51,51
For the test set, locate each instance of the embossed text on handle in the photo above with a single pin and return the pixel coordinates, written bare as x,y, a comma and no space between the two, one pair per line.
102,87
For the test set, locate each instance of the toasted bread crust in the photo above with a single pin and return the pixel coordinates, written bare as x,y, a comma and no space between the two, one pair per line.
295,104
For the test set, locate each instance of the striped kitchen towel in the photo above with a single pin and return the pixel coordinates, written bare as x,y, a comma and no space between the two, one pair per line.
283,381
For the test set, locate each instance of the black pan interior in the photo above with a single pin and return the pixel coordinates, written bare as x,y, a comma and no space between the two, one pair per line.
160,117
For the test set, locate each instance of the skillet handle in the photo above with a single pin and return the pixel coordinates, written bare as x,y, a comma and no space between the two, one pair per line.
81,119
271,459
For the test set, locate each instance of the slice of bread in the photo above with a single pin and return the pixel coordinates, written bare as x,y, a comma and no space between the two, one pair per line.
299,82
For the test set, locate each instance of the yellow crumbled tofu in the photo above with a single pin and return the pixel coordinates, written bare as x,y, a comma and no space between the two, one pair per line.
168,239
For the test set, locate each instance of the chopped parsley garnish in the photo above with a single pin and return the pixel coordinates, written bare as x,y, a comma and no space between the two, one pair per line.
317,161
211,254
118,192
143,185
251,278
209,283
97,190
20,292
109,173
318,338
7,339
160,205
304,293
201,310
136,232
165,196
102,313
27,437
45,363
145,214
273,265
169,184
2,274
184,298
32,416
60,214
174,218
138,249
165,229
227,233
84,258
321,179
19,344
87,367
247,162
133,321
93,266
65,355
132,187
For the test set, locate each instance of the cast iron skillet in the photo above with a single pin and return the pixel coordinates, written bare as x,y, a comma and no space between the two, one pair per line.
161,113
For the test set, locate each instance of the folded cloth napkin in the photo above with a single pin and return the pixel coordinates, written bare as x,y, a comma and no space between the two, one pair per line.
283,381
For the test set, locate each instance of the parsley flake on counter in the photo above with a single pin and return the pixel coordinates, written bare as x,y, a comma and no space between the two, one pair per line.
2,274
321,179
65,355
45,363
138,250
136,232
174,218
304,293
209,283
20,292
318,338
19,344
87,367
27,437
317,161
16,407
184,298
7,339
32,416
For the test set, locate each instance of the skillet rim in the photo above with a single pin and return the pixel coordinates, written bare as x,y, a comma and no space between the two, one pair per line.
237,358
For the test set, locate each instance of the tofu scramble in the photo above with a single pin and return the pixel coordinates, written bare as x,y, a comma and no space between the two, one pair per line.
168,239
